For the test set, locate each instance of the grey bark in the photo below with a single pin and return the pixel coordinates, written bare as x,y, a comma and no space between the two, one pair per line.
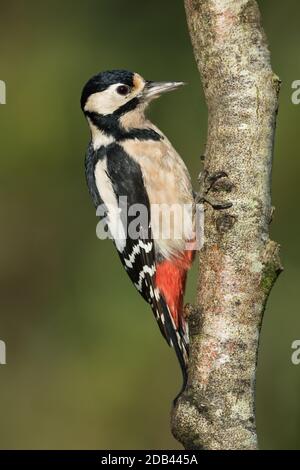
238,263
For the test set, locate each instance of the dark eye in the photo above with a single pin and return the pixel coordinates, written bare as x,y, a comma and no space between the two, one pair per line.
123,89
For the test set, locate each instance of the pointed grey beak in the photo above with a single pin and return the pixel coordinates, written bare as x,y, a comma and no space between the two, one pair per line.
155,89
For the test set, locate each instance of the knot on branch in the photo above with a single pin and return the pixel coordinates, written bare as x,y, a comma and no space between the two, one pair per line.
225,222
199,427
187,423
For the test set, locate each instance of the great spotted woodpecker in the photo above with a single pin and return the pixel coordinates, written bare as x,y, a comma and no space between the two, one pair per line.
129,156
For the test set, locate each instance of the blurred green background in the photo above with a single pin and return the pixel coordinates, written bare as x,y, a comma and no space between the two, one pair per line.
86,366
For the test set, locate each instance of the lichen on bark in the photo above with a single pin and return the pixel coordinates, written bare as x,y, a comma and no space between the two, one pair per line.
238,263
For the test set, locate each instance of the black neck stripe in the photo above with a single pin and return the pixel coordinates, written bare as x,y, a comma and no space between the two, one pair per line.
110,125
129,106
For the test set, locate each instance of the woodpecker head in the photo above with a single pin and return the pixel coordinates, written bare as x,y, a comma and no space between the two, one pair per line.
116,92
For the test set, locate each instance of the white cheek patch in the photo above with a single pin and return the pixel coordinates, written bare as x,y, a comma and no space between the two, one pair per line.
107,101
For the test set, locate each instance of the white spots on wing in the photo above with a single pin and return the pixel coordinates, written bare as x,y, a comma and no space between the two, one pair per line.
147,247
146,269
130,260
108,196
154,292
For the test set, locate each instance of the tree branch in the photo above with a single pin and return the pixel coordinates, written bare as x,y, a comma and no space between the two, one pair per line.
238,263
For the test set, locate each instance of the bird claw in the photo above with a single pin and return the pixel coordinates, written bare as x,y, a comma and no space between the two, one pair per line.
209,182
218,204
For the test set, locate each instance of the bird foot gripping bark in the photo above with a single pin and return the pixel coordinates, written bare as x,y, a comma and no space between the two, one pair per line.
215,182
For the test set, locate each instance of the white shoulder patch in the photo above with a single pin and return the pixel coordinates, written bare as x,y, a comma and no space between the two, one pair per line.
109,198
